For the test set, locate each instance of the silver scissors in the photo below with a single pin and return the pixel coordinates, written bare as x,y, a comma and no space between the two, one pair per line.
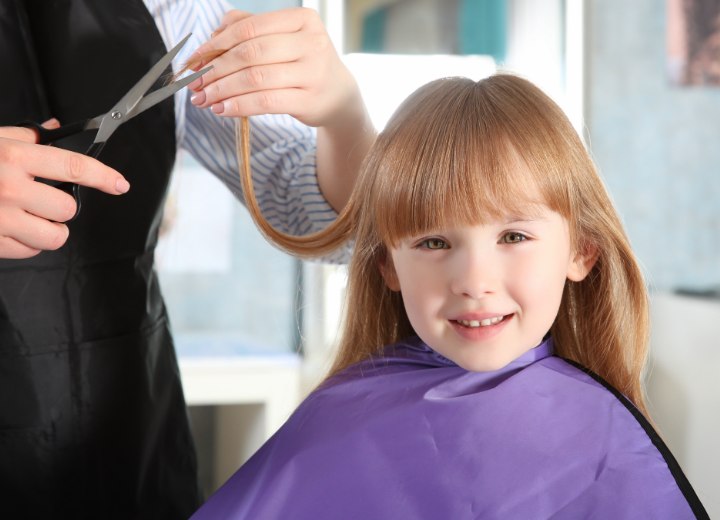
130,105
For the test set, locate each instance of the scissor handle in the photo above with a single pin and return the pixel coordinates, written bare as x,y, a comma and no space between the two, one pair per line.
50,135
74,189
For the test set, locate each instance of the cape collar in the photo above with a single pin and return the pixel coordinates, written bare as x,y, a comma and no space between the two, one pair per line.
413,348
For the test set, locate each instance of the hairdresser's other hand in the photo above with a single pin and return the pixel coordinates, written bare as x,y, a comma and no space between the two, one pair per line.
32,213
283,62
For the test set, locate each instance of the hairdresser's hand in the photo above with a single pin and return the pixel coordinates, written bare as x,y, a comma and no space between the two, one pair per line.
32,213
283,62
280,62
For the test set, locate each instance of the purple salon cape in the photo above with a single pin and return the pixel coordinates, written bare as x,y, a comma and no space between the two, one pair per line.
411,435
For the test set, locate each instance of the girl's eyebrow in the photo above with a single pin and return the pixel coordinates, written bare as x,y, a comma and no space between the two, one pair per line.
538,212
520,219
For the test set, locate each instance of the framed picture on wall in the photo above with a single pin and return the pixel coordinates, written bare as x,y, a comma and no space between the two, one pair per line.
693,42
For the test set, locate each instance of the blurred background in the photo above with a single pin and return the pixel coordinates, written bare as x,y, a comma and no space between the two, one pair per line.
639,80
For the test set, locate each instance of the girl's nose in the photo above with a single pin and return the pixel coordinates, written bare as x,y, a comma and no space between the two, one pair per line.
473,276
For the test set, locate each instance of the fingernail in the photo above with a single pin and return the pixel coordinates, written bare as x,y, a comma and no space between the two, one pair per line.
218,31
195,61
122,186
198,98
200,52
218,108
195,85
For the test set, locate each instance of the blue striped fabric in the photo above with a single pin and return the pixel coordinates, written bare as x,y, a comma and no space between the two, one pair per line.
283,149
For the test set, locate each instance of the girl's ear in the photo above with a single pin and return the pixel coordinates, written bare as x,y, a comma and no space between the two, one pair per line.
583,261
387,270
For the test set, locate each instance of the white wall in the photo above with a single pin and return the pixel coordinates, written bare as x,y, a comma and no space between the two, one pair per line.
684,387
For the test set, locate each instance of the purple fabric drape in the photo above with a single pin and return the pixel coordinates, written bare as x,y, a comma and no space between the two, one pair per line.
411,435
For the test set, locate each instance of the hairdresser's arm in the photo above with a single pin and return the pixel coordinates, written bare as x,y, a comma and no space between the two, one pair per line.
32,213
284,63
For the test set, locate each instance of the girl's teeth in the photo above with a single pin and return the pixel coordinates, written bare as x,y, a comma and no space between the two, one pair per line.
480,323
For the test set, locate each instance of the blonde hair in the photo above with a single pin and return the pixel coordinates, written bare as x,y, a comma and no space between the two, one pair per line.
447,156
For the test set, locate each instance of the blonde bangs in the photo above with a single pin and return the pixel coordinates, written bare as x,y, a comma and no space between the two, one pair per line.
458,154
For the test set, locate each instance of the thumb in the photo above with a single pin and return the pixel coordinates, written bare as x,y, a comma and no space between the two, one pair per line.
51,124
28,135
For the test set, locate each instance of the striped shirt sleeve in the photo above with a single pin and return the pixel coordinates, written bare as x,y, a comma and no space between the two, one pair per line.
282,148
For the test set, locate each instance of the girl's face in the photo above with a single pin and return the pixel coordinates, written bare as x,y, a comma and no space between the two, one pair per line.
482,295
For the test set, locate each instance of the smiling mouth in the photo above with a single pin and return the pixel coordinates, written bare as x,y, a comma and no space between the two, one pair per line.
474,324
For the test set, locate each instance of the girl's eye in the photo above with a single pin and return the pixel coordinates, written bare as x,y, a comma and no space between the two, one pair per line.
433,243
512,237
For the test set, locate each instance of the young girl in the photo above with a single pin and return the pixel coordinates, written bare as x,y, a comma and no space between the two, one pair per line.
495,335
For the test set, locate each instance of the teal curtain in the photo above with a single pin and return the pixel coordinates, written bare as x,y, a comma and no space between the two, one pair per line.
373,31
483,28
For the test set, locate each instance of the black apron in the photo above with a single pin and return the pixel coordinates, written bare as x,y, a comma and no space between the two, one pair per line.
93,421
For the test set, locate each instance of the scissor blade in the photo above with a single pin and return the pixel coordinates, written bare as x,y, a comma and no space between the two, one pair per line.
159,95
136,93
117,115
94,123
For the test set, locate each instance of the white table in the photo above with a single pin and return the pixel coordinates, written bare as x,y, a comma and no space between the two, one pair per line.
253,395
